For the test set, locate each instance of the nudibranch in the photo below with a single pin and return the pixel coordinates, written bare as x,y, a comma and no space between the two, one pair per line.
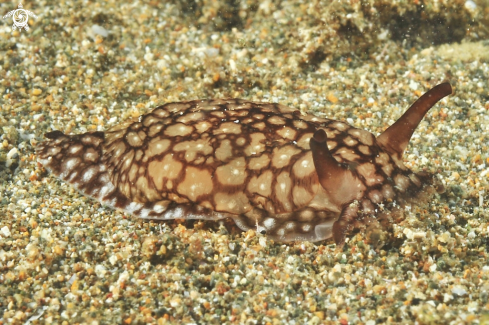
266,166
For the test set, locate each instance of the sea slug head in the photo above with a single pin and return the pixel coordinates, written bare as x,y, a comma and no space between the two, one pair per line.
364,185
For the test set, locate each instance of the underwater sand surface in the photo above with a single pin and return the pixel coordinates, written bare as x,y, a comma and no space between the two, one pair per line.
65,259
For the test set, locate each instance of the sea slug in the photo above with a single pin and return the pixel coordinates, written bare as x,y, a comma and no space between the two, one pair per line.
291,176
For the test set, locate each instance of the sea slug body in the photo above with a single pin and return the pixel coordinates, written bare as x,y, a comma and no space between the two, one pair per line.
265,165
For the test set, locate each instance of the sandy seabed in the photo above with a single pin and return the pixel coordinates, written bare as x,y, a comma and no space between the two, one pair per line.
85,66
